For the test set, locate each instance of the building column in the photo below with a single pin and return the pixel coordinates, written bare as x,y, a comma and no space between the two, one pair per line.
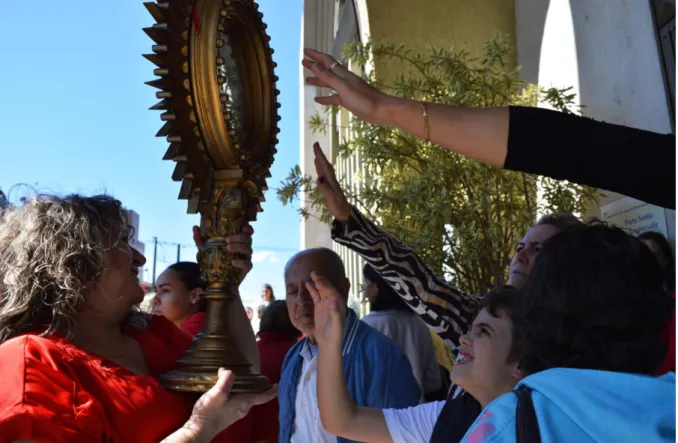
317,32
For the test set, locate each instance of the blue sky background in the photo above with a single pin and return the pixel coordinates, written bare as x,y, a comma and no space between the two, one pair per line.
74,118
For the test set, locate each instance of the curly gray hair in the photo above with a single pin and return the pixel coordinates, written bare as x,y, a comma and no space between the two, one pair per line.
52,250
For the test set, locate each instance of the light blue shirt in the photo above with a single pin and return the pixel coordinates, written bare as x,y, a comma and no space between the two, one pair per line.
577,405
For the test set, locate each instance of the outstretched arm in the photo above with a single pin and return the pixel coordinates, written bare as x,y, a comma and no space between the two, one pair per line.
630,161
447,310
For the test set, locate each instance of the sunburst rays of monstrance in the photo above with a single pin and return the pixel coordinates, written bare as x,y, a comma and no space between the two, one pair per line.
217,91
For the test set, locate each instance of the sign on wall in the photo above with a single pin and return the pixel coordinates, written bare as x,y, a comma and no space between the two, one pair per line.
629,213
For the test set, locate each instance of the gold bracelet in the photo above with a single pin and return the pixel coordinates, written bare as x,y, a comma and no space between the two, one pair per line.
425,114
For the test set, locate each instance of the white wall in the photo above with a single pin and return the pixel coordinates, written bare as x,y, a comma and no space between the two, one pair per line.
606,50
317,31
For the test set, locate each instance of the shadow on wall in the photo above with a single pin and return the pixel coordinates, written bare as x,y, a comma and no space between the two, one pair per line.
616,70
620,71
530,25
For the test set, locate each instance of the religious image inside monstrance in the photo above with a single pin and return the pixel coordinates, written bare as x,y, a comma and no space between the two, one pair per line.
339,221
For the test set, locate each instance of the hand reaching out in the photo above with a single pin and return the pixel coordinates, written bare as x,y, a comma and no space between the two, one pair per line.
330,311
351,91
335,200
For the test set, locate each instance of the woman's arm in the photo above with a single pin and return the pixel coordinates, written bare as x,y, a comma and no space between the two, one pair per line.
630,161
447,310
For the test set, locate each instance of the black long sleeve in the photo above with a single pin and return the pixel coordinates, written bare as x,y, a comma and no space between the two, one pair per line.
633,162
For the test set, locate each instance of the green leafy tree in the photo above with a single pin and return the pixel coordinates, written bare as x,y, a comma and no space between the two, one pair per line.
464,218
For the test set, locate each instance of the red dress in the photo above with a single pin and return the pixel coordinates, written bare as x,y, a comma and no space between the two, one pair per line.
53,391
273,348
193,324
669,363
240,431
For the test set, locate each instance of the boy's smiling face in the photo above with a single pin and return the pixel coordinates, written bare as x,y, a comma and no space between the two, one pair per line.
483,367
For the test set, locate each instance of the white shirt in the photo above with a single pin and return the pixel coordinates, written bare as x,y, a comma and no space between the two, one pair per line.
412,336
415,424
307,425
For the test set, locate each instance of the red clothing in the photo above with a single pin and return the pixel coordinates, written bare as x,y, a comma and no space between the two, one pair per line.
53,391
669,363
193,324
273,348
240,431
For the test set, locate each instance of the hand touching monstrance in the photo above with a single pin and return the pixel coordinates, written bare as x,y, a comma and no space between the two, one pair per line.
219,100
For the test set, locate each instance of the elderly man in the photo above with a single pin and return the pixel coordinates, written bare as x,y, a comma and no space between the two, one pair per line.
378,375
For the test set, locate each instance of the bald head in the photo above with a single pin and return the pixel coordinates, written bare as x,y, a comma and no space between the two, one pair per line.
323,258
326,263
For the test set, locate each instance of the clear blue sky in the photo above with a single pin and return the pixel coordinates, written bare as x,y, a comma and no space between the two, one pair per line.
75,118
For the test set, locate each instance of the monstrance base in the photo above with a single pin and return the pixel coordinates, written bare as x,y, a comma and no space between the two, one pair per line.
200,382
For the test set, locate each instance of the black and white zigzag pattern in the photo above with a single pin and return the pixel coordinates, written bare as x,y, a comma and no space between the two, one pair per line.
448,311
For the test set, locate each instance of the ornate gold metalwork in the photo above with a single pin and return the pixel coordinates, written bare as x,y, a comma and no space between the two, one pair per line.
217,91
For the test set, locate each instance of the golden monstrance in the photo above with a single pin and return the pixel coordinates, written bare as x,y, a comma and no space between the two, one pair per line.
217,91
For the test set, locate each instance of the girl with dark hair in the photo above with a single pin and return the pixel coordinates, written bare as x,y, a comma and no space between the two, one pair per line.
267,294
266,298
391,316
177,297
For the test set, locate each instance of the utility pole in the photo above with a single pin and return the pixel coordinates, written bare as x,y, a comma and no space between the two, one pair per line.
178,252
155,256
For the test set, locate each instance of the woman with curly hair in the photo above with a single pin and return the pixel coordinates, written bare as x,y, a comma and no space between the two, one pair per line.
78,360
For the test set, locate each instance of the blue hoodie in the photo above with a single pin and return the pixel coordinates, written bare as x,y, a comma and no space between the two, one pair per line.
576,405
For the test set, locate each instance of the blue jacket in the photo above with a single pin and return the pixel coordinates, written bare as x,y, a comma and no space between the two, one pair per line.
377,374
576,405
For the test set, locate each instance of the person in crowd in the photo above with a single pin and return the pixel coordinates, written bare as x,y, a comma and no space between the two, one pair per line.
444,354
80,362
592,321
276,336
377,373
534,140
177,297
586,333
661,249
250,313
266,295
444,308
391,316
487,367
